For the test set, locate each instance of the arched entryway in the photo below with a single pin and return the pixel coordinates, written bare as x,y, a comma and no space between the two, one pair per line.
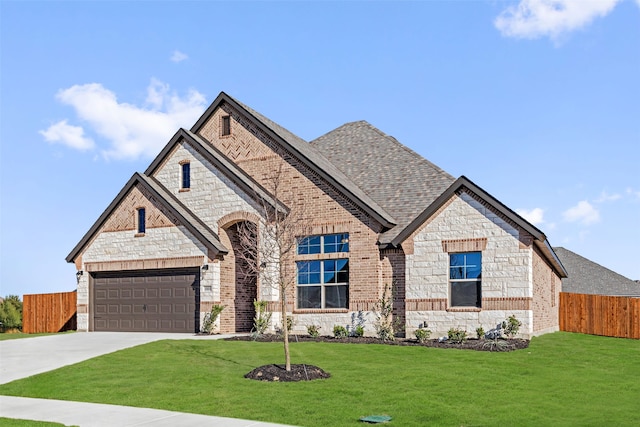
238,278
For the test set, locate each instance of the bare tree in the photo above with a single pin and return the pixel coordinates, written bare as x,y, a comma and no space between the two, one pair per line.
268,248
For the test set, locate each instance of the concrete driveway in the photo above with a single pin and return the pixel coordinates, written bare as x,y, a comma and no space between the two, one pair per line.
25,357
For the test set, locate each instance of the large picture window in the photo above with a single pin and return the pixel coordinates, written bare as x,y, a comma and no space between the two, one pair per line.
465,279
323,284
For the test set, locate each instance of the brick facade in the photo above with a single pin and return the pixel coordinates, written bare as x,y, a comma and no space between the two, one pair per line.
516,277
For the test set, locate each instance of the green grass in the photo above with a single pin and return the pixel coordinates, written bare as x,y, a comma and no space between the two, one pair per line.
561,379
12,422
19,335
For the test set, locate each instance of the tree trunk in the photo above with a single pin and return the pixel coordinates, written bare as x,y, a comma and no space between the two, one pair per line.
285,329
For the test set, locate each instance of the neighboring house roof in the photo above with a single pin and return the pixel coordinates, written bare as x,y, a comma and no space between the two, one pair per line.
588,277
221,162
198,228
397,178
307,154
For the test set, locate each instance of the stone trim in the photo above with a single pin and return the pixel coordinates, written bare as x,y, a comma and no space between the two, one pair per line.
82,308
426,304
145,264
441,304
464,245
319,310
238,216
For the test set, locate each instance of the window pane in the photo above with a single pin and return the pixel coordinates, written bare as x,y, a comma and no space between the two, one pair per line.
473,262
342,267
308,272
141,220
309,297
336,296
329,271
309,245
336,243
465,294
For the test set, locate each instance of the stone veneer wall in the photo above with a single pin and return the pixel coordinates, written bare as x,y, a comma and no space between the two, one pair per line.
506,270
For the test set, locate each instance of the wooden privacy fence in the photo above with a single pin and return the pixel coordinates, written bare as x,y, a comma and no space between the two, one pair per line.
600,315
49,312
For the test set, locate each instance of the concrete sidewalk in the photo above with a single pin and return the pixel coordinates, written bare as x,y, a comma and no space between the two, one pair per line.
22,358
100,415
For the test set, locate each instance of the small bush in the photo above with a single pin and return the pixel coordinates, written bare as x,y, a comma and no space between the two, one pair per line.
340,331
313,331
511,326
358,331
262,319
357,324
480,332
210,319
457,335
11,313
422,335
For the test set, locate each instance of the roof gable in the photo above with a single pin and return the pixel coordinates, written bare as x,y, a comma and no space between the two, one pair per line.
306,154
540,240
196,227
220,162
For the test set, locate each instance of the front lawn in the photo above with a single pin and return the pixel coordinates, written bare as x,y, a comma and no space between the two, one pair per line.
561,379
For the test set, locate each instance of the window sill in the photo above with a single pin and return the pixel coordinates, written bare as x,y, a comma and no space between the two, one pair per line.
138,235
184,190
319,310
463,309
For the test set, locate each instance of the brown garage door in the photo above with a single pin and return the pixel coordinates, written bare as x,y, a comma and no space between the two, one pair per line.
147,301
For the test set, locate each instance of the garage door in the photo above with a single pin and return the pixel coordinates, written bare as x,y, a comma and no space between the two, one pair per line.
147,301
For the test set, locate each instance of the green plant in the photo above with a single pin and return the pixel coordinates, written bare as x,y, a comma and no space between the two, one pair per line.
511,326
357,324
11,313
422,334
480,332
383,310
210,318
313,331
340,331
262,319
457,335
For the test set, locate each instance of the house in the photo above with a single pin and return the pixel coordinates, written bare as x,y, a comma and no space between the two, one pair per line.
588,277
377,214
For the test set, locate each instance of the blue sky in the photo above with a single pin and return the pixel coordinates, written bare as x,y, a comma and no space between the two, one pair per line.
536,101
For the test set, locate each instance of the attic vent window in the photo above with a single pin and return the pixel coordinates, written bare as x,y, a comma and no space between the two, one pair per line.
226,125
186,176
142,219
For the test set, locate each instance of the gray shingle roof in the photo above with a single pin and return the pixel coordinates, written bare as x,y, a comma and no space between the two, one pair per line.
397,178
588,277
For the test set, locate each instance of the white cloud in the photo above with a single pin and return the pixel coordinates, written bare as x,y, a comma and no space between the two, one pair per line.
630,191
532,19
132,131
178,56
535,216
583,212
606,197
71,136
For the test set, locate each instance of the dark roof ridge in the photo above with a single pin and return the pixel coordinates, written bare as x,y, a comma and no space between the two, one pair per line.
189,220
307,154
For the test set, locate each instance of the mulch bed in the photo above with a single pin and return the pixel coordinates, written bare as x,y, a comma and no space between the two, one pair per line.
301,372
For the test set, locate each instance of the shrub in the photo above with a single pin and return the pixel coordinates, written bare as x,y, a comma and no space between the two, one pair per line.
262,319
457,335
511,326
480,332
340,331
210,318
313,331
11,313
357,324
422,335
383,310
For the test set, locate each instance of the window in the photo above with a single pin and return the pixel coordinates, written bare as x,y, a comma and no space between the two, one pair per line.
326,244
186,176
141,220
226,125
465,271
323,284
